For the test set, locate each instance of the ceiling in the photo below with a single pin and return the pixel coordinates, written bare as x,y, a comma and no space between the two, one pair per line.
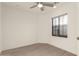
25,5
19,4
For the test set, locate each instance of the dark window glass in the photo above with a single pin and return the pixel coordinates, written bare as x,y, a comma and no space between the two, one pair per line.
59,25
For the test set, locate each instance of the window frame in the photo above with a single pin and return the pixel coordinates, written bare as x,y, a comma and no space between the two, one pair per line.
58,31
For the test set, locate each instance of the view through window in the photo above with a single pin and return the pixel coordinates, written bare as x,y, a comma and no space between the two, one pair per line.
59,25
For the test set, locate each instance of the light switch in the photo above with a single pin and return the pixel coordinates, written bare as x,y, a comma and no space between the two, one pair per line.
77,38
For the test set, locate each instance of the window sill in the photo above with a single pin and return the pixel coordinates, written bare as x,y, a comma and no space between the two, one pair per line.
60,36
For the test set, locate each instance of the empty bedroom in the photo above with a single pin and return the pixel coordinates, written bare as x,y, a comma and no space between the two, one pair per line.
39,29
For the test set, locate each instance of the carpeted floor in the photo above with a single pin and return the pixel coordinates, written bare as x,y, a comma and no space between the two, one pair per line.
39,49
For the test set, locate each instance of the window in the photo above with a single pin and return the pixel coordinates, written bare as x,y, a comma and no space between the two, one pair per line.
59,25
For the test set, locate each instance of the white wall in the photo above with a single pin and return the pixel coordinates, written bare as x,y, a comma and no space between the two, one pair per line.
77,25
19,27
45,27
0,29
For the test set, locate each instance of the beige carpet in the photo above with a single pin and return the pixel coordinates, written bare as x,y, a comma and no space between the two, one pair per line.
39,49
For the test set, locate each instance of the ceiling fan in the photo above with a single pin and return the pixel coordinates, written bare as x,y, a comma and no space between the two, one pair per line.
42,5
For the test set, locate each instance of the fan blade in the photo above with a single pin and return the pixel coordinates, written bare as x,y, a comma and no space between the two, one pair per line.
37,2
42,8
33,6
49,4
